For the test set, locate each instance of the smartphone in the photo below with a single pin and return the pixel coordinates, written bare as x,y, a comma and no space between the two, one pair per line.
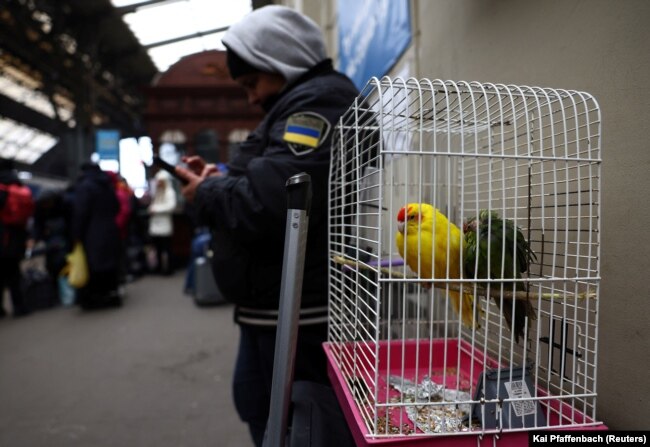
168,167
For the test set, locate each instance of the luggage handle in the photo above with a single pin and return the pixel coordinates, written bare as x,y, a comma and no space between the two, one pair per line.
299,192
299,195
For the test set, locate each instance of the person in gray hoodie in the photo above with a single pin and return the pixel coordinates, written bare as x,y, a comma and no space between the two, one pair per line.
278,56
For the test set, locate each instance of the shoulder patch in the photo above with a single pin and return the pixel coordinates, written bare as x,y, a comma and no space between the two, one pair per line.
305,131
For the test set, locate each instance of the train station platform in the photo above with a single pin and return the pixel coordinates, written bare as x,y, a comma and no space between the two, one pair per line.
155,372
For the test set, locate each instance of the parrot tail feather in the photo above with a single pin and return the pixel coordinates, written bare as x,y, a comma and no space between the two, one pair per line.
466,311
517,322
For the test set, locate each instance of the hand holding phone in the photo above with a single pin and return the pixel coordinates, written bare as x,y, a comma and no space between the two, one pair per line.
168,167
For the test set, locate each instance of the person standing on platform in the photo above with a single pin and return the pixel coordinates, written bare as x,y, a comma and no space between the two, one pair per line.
278,56
94,208
161,221
13,235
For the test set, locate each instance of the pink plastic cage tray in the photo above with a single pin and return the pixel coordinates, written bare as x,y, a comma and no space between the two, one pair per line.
461,370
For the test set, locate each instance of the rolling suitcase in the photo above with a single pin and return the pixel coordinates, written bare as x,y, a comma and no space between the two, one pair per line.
206,291
38,287
39,290
317,419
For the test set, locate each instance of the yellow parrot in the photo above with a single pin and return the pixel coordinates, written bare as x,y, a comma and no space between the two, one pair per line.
419,224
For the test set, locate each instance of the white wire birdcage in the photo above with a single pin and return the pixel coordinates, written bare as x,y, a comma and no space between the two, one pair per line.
404,364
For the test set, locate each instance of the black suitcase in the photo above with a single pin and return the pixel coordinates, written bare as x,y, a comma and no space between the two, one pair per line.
206,291
39,290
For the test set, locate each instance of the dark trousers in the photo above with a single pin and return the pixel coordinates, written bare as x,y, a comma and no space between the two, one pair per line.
254,370
10,277
163,246
100,291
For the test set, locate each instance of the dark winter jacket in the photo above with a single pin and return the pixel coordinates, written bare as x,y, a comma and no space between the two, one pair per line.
52,226
95,206
246,209
13,239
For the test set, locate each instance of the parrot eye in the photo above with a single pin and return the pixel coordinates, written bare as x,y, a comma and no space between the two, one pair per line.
412,216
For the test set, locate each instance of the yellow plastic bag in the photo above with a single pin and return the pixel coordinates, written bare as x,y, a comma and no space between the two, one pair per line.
77,267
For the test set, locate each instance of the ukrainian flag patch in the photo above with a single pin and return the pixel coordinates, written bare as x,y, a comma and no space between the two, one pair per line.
305,131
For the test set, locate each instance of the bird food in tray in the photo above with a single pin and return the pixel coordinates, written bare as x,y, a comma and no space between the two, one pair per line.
430,388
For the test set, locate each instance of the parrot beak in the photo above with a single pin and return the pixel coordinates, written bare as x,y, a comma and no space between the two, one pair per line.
400,226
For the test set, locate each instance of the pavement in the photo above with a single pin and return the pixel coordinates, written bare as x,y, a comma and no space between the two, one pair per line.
155,372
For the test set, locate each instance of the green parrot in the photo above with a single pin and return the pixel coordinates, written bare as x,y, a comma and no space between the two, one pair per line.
510,255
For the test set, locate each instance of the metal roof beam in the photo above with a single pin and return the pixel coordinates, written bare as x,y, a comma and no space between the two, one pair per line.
189,36
23,114
133,8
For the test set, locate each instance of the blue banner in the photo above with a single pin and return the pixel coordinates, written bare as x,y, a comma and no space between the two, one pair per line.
107,144
373,34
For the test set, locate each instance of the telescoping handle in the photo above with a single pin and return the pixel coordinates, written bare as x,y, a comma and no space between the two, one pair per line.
299,194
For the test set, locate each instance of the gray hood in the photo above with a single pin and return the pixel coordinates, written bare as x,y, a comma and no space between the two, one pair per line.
277,39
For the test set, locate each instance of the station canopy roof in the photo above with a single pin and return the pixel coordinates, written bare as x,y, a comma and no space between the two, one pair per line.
62,57
170,29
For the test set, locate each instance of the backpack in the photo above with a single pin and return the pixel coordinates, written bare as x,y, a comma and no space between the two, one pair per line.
18,207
